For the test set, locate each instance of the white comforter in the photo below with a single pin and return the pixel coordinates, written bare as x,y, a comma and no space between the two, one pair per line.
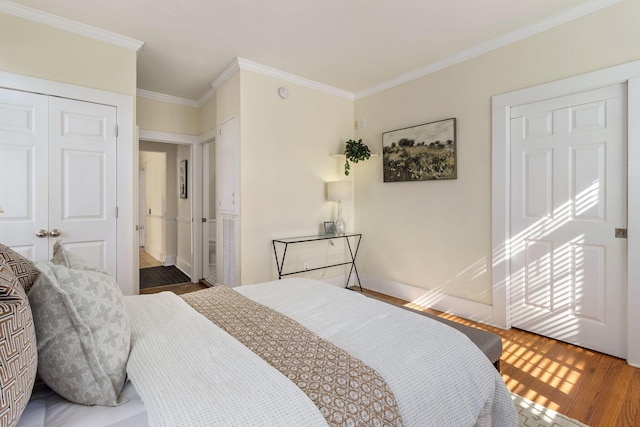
189,372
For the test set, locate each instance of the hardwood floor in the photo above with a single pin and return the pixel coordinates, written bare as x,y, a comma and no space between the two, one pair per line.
594,388
147,260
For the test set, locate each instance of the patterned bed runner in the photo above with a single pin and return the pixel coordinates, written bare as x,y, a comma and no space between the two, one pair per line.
347,391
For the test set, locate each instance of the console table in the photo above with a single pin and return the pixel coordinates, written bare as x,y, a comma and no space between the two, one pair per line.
353,252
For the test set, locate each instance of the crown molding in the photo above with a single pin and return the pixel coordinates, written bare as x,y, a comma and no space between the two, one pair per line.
245,64
167,98
68,25
226,74
206,97
564,17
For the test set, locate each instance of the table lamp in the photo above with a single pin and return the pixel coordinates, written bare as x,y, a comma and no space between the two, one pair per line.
338,191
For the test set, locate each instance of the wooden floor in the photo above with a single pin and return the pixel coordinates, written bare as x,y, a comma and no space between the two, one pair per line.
596,389
147,260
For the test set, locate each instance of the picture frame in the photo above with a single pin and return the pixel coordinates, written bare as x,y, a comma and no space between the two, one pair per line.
420,153
183,179
329,228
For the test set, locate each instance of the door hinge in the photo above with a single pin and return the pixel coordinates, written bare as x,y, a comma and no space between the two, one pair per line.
116,212
116,131
204,219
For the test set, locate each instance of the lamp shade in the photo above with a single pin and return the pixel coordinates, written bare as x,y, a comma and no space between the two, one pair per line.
339,190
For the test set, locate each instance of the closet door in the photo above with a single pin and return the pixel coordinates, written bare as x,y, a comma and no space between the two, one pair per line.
23,185
82,180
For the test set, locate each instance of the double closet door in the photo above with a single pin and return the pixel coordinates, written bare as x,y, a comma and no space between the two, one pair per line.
58,177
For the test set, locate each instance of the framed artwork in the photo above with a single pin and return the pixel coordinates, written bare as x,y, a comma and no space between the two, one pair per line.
420,153
183,179
329,227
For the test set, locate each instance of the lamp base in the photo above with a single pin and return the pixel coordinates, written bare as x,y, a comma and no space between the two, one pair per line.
341,226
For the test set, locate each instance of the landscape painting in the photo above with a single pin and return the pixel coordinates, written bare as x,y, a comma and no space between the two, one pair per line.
420,153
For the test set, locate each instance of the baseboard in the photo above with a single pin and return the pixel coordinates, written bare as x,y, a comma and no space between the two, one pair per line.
184,266
471,310
169,260
153,251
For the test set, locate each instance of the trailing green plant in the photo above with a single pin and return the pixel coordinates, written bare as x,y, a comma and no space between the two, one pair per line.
355,151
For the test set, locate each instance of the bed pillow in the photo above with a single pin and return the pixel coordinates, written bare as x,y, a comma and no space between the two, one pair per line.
24,269
18,358
83,333
62,256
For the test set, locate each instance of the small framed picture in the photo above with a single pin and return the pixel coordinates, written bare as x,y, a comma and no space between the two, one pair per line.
329,227
183,179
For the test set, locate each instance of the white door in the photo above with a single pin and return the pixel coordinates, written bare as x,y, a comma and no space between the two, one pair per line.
142,206
568,197
227,168
23,186
82,177
58,175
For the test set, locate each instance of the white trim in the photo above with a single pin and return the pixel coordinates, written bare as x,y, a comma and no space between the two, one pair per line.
167,137
167,98
437,300
502,104
245,64
84,30
208,136
183,220
127,237
225,74
207,96
184,266
561,18
169,260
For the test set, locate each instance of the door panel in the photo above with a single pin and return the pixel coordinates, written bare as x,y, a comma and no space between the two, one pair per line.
82,177
568,195
23,189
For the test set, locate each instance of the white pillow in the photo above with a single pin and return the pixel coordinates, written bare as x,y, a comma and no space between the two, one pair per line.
83,333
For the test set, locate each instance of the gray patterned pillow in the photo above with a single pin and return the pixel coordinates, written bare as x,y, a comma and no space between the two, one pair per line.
83,333
18,358
62,256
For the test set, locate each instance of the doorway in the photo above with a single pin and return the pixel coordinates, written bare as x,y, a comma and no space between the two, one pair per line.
209,230
165,238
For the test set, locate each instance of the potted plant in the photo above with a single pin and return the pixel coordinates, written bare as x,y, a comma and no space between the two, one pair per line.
355,151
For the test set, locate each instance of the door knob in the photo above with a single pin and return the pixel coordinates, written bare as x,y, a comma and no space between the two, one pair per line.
55,232
41,233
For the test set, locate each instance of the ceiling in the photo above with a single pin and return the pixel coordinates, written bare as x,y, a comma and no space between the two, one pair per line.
352,45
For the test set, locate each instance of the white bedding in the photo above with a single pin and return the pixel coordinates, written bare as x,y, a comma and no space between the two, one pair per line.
189,372
438,376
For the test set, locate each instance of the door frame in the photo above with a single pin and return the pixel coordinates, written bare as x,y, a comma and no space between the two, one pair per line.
126,276
194,172
500,234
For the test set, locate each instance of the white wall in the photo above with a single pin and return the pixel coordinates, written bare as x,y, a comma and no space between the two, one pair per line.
436,235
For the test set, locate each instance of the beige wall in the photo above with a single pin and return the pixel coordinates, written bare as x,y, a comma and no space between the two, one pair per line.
37,50
208,115
167,117
437,235
285,162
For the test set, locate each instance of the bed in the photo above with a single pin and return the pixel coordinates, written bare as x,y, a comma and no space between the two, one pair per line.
284,353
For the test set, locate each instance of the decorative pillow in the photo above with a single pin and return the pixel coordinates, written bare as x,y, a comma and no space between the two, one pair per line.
18,357
83,333
62,256
24,269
